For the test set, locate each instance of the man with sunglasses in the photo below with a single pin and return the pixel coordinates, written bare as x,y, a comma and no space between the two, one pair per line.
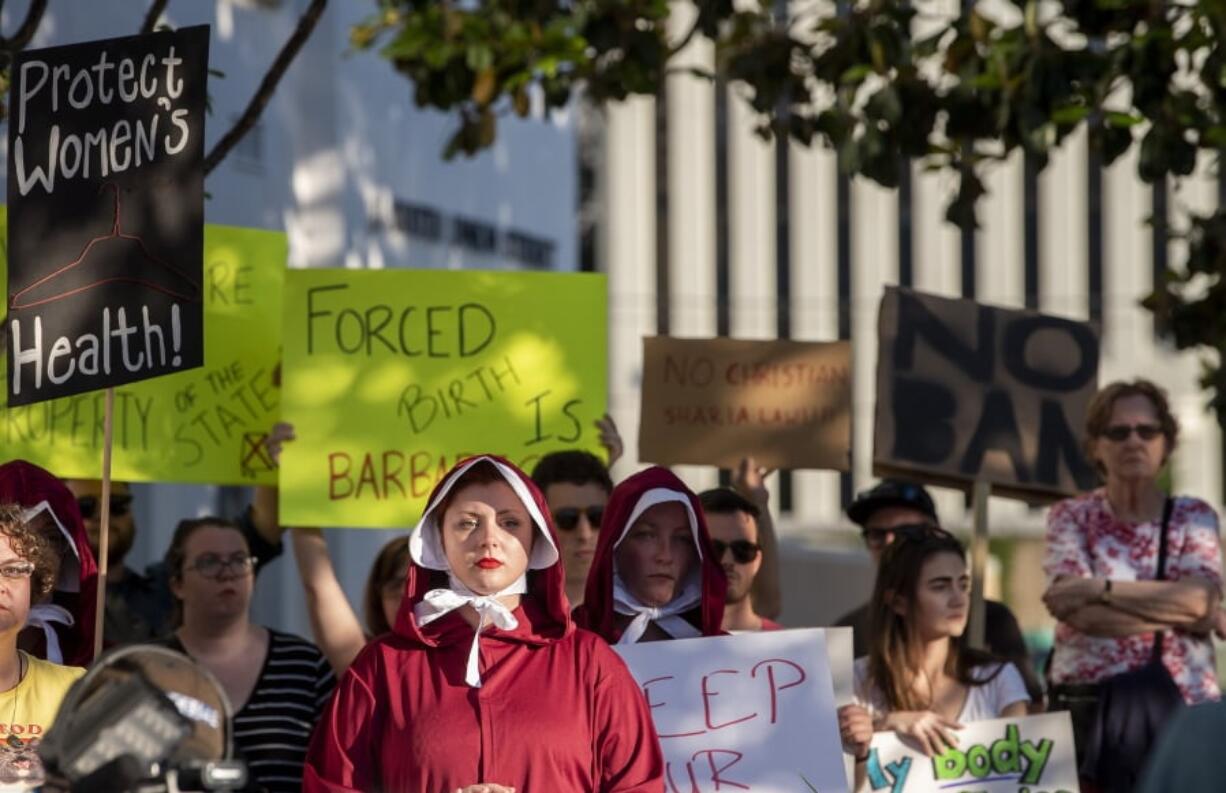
139,606
894,506
732,521
576,485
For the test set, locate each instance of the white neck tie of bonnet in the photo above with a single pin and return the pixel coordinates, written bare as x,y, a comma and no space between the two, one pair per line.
490,610
44,615
666,616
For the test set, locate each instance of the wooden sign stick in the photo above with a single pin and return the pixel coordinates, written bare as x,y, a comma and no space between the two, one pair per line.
979,566
104,532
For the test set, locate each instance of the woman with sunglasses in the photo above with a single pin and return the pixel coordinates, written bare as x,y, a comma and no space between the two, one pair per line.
920,679
1102,562
278,684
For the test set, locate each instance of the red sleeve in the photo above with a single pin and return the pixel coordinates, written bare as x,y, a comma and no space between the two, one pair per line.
341,757
626,743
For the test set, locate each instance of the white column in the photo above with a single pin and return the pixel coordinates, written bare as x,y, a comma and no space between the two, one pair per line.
628,254
937,243
1063,245
874,263
751,233
1001,280
1000,249
1198,460
813,183
1127,261
691,200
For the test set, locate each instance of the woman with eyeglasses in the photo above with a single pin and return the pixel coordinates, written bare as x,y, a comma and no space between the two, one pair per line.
920,678
278,684
1102,559
30,689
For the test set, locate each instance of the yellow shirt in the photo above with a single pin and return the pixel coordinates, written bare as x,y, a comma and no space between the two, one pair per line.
26,713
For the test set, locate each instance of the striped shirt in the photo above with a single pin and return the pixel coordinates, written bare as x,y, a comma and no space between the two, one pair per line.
273,728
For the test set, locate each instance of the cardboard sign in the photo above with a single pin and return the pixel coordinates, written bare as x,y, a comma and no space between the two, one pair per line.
968,392
1033,754
714,401
753,711
392,376
206,425
106,209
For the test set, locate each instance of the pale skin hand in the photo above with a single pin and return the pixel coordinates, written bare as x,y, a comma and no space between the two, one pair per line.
485,787
932,732
1219,623
610,438
856,729
749,479
1190,604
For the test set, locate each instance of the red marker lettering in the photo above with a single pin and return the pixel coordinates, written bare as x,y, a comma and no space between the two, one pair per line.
774,685
707,694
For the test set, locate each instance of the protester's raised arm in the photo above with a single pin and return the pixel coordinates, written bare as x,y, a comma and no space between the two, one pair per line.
750,480
336,627
264,514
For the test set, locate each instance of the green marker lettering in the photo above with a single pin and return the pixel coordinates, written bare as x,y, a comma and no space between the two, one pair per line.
1037,757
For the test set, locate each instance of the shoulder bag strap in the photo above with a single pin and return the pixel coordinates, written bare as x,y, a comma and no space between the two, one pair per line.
1167,509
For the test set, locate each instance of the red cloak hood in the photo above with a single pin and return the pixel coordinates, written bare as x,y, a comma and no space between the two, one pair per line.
545,609
597,613
29,486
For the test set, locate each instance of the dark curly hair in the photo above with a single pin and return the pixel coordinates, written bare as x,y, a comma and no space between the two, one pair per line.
43,548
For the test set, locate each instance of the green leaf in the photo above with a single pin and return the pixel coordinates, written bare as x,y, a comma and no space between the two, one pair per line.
856,74
1070,115
1119,119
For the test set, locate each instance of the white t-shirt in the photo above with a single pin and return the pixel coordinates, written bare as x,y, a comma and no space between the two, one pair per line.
983,702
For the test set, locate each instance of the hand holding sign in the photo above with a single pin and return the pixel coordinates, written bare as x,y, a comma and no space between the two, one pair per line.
932,732
855,729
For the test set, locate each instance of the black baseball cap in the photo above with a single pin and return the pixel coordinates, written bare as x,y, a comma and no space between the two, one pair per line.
891,493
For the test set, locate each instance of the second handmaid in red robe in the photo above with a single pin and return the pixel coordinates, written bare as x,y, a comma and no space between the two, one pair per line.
484,679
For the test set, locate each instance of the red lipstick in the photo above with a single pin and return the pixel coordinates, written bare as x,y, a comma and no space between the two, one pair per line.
489,563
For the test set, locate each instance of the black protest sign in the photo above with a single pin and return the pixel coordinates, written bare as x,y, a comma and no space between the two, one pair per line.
969,392
106,213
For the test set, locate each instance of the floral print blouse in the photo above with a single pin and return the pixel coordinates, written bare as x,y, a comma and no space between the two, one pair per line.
1085,539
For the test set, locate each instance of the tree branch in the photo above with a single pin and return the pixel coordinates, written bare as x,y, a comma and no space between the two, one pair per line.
306,25
153,15
29,26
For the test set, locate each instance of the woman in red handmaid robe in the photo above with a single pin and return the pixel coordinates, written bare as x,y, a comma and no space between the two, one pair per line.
485,685
654,575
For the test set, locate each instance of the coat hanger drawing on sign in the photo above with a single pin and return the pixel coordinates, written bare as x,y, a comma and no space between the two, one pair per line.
190,294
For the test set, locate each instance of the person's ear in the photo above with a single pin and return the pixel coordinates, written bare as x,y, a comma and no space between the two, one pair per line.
897,603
